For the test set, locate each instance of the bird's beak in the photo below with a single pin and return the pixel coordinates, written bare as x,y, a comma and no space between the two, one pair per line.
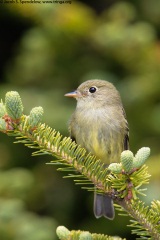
73,94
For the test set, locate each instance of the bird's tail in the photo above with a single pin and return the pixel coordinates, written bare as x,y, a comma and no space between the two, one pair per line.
103,206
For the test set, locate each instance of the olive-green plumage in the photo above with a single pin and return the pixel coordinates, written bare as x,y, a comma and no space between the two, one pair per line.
100,126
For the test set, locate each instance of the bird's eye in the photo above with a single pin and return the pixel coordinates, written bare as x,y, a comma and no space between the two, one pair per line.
92,89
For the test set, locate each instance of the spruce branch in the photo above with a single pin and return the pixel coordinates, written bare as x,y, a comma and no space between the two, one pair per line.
64,234
122,181
148,217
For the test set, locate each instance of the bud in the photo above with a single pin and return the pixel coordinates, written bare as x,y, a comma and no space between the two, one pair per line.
85,236
127,160
115,168
2,125
2,109
62,232
13,105
141,156
35,116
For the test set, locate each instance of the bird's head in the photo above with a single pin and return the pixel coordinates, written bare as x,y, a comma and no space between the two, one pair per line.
99,92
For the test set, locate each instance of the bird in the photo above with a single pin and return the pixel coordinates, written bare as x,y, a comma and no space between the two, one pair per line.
99,125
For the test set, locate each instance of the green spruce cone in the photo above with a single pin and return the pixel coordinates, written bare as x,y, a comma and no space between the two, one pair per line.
13,105
62,233
2,109
35,116
127,160
2,125
141,156
115,168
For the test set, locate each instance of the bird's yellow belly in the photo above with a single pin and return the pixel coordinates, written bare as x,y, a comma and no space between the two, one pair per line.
105,148
98,148
101,138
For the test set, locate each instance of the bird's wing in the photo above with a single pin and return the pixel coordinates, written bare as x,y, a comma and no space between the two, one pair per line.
70,130
73,138
126,136
126,141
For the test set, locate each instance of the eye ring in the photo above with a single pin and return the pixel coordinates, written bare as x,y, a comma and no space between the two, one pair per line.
92,89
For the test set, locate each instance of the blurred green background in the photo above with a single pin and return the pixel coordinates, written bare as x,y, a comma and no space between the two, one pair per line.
47,50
